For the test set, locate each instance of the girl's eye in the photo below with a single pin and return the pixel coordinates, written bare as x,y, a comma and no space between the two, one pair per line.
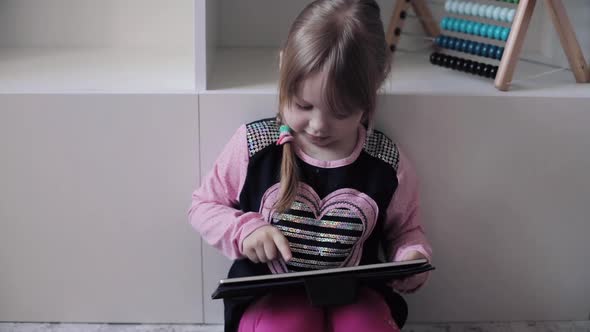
307,107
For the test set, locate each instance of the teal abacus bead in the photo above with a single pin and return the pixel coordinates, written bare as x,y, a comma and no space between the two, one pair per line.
490,31
476,28
469,27
444,23
456,25
504,34
463,26
498,32
483,31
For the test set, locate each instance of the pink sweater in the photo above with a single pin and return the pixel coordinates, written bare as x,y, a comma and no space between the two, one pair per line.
215,215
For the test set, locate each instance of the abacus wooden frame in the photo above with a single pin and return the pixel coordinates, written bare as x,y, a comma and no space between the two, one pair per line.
513,47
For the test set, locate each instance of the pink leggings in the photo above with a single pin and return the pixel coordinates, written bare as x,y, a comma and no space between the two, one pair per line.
293,312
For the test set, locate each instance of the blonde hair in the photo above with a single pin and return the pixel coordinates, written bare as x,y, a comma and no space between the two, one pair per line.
346,39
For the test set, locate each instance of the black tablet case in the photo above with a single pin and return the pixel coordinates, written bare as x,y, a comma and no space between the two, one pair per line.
324,289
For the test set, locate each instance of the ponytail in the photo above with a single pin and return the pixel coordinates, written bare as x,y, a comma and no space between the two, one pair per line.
289,179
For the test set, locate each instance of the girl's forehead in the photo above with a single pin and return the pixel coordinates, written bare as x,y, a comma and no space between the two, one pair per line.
311,89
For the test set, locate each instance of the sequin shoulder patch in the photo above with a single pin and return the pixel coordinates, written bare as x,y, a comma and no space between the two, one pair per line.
261,134
380,146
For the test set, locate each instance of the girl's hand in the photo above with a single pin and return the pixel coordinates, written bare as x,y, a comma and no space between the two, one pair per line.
413,255
264,244
410,284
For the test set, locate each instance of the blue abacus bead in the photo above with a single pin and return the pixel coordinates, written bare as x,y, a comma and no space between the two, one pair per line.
504,14
477,48
476,28
498,32
496,13
475,9
446,41
499,53
469,27
438,40
482,10
504,34
489,12
463,45
483,30
463,26
493,52
490,51
468,8
452,43
470,46
511,14
484,50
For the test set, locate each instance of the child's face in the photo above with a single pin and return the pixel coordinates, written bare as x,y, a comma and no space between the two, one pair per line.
312,122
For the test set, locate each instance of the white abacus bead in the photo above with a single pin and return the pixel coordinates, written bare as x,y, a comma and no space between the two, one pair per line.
496,13
461,8
468,7
448,5
482,10
489,12
504,14
455,7
511,14
475,9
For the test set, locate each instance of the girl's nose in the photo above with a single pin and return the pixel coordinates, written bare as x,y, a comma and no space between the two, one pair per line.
318,124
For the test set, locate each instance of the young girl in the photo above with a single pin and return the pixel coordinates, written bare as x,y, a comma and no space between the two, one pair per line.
316,187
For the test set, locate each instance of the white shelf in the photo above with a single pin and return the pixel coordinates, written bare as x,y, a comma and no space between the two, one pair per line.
95,70
255,70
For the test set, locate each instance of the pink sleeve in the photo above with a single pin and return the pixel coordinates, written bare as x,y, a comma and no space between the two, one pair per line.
213,212
404,232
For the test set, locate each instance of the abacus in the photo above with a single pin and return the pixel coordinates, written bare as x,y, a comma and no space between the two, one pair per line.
511,20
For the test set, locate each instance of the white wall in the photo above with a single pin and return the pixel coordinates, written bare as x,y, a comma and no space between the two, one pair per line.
105,23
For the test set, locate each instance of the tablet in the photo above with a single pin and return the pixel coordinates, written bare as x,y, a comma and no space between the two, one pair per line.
258,285
327,272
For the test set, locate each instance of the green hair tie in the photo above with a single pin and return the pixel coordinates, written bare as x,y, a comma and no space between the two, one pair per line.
284,129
